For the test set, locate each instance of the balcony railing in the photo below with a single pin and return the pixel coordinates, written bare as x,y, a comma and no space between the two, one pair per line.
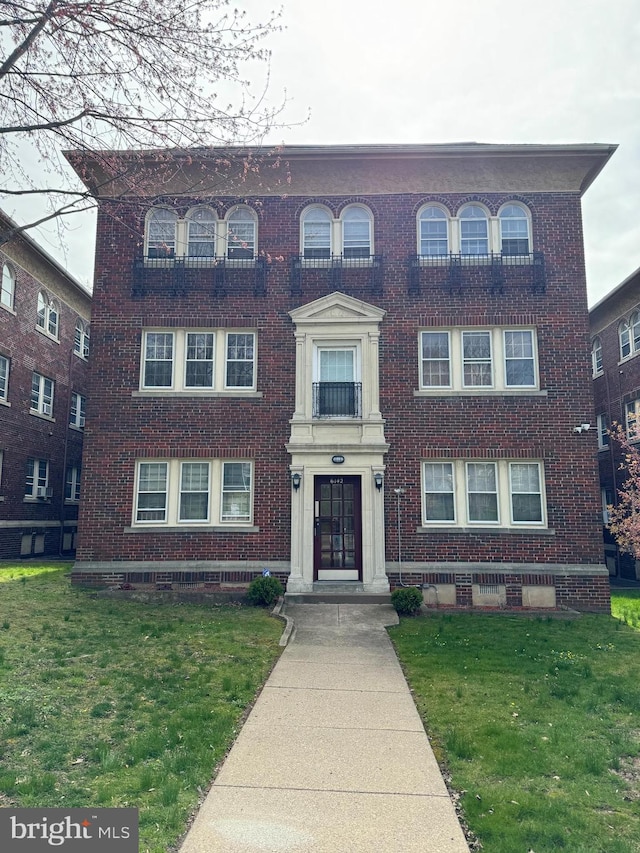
337,272
492,271
337,399
178,276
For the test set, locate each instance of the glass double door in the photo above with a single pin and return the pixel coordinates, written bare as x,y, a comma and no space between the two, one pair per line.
338,528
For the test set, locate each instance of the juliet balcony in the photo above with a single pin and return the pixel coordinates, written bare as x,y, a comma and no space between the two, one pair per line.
357,275
337,399
496,272
173,276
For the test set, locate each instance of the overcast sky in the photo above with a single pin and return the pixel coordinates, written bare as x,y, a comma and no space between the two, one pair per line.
421,71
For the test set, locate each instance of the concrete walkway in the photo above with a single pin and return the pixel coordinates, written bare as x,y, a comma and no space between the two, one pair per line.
333,756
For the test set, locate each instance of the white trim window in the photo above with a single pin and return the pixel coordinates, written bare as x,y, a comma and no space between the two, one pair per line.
81,339
316,233
240,361
629,335
8,287
198,361
433,231
4,378
72,484
184,493
603,431
42,390
357,232
161,232
474,230
478,359
596,356
47,317
201,225
632,419
37,479
514,229
77,414
241,234
502,493
607,500
194,492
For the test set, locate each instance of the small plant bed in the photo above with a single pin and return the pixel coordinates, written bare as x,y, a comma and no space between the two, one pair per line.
118,703
536,722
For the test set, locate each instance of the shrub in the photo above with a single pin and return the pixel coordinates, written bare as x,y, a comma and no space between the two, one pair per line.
264,591
407,600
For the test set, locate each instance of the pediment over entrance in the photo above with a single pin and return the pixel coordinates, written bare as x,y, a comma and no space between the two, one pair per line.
337,308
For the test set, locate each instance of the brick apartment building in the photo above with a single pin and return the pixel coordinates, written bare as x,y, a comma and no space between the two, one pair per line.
44,345
363,368
615,359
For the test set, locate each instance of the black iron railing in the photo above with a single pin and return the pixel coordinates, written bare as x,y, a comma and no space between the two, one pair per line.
177,276
339,272
337,399
493,271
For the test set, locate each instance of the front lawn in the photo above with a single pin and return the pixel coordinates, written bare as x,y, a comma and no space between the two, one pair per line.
538,723
117,703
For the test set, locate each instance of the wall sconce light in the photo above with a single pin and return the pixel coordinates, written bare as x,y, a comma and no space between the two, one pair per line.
296,479
377,478
582,428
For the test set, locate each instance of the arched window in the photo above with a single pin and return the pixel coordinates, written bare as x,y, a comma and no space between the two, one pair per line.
241,234
596,356
7,293
433,231
316,233
357,232
47,317
514,230
201,233
634,322
161,232
624,333
474,230
81,341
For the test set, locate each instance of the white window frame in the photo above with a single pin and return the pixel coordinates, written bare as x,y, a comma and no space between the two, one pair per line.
356,254
498,362
5,367
221,341
245,249
597,365
48,315
310,253
467,241
632,419
37,478
629,335
219,490
8,288
505,217
439,360
72,484
183,517
161,245
42,394
442,217
504,492
81,339
203,222
606,500
77,412
602,425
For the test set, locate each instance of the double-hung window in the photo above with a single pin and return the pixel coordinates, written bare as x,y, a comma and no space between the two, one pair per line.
596,356
201,233
336,393
603,431
47,315
42,390
37,479
198,361
317,225
72,484
474,231
514,230
161,232
433,236
479,360
501,493
8,287
81,340
632,419
241,234
4,378
184,493
77,414
629,335
356,233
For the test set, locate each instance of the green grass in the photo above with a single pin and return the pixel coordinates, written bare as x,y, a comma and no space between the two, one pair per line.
537,720
118,703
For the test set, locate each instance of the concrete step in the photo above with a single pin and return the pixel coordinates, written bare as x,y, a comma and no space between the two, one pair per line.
338,592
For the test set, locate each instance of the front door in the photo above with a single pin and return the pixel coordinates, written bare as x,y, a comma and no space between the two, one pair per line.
338,529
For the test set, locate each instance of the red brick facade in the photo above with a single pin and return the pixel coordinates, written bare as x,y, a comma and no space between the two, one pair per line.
31,525
547,295
616,383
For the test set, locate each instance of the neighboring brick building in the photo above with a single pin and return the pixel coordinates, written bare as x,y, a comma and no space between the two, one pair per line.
615,361
44,340
368,374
